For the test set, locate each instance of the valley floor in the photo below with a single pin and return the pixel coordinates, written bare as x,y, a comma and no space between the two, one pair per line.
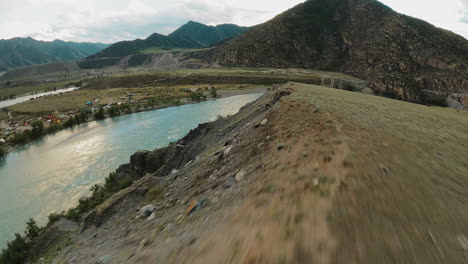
317,176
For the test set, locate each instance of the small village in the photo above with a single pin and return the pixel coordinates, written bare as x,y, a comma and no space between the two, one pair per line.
10,128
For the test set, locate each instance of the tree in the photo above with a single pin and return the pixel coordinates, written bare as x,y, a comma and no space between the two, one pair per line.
21,139
3,152
37,130
53,128
32,230
114,111
70,122
214,92
81,117
99,115
16,251
197,96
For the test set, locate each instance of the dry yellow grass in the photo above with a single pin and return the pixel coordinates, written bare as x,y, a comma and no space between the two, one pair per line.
403,200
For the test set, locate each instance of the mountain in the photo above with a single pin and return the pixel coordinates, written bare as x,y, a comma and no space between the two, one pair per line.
399,55
205,35
125,48
192,35
21,52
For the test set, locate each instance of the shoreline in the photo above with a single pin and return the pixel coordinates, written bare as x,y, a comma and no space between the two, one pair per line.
226,93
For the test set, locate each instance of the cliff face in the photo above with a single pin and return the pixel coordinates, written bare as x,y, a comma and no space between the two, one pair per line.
400,56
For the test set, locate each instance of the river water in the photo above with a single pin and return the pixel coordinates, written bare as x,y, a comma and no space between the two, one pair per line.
28,97
50,175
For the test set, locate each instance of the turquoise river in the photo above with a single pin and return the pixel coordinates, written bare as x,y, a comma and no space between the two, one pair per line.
51,174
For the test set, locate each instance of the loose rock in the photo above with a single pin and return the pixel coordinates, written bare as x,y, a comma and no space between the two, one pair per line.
280,146
240,176
226,152
264,122
315,182
152,216
146,211
463,241
104,259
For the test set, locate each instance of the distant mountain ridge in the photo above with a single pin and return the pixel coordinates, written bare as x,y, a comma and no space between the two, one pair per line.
399,55
206,36
191,35
22,52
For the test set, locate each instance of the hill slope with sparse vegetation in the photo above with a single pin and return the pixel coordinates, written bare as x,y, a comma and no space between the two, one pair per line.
399,55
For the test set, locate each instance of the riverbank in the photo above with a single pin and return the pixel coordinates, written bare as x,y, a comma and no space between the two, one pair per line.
80,157
298,175
224,93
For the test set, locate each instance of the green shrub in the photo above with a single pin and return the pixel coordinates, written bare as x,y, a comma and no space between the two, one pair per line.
70,122
82,117
54,217
99,115
32,230
37,130
3,152
114,111
21,139
16,251
53,129
73,214
214,92
197,96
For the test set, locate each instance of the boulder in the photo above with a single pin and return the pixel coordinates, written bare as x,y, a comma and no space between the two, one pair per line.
146,211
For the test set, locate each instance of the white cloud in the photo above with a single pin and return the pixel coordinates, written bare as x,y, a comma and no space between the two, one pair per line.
448,14
114,20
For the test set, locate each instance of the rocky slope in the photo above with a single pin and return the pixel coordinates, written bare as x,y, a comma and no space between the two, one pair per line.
21,52
305,174
400,56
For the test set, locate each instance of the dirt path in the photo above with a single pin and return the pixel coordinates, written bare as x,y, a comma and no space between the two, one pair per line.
275,214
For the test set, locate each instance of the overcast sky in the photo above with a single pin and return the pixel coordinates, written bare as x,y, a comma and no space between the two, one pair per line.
113,20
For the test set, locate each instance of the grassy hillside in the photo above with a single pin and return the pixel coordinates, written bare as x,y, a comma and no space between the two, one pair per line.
402,198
